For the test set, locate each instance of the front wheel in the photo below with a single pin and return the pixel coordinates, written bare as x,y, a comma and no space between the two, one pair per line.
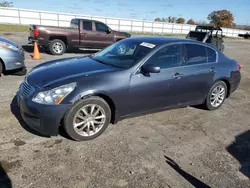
87,119
216,96
57,47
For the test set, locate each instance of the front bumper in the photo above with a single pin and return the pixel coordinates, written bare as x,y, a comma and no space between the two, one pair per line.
13,59
45,119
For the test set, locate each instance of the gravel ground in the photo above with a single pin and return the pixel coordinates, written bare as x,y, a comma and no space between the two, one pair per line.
209,148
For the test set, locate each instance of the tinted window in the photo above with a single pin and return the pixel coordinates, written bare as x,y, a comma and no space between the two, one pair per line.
167,57
74,23
211,55
101,27
195,54
87,26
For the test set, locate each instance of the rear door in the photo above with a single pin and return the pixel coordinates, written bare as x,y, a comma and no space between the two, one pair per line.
104,36
196,73
87,34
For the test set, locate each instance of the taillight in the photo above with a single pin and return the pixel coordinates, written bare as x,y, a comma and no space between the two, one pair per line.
239,67
36,33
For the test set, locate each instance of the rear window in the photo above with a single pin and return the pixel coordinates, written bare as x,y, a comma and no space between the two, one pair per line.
211,55
74,23
87,25
195,54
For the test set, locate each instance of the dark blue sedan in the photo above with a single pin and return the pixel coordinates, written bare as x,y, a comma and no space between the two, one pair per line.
132,77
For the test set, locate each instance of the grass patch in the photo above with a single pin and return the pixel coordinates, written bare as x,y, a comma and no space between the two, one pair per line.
13,28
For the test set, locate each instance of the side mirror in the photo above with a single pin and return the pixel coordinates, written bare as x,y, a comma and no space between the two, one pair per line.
150,69
109,31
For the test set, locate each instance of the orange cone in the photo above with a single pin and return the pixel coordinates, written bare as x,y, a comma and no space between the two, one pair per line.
36,54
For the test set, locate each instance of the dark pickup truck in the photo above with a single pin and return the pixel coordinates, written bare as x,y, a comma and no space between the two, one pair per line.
82,33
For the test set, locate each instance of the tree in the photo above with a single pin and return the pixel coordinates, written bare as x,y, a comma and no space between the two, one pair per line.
180,21
221,18
171,19
191,22
6,4
157,19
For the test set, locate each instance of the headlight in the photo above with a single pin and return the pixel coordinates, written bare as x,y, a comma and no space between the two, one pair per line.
8,46
54,96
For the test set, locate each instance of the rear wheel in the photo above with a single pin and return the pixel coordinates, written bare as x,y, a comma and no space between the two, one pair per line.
87,119
57,47
216,96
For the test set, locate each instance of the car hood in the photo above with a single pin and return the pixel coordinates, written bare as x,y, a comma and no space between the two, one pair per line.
61,70
8,42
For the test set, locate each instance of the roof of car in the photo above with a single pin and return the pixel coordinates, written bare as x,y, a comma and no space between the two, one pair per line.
160,40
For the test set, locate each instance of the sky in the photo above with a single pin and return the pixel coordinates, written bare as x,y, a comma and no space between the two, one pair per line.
143,9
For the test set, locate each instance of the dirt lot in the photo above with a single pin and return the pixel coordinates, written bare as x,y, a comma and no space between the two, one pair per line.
209,148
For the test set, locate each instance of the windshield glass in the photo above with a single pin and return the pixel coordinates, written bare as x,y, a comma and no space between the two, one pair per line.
125,53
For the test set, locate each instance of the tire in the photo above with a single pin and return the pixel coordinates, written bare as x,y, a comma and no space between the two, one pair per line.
21,72
1,68
208,102
60,44
71,117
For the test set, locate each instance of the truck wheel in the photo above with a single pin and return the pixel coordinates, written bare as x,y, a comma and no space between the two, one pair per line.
57,47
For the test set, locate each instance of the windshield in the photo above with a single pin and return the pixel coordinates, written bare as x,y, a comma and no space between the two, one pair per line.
125,53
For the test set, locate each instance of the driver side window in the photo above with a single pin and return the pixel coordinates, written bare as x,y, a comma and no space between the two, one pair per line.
167,57
101,27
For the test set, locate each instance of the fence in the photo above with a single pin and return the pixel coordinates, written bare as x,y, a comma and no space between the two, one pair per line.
27,16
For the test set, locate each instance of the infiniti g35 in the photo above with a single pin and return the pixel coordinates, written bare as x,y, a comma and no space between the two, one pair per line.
132,77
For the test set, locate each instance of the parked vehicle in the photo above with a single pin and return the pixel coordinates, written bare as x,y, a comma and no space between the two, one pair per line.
11,58
82,33
245,36
132,77
208,34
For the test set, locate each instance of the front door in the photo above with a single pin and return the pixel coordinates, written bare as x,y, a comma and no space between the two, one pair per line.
104,36
153,91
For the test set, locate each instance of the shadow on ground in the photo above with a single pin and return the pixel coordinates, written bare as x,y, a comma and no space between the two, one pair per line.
240,150
16,112
191,179
5,181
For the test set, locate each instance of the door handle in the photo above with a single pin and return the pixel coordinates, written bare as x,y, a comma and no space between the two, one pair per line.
212,70
98,34
177,75
83,33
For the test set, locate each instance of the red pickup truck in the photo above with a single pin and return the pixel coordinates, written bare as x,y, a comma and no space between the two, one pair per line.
82,33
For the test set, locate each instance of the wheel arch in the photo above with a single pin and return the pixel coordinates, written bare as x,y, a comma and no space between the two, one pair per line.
62,38
3,65
107,99
227,82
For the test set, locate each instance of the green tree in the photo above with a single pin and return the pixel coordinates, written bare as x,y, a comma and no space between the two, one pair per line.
180,21
221,18
157,19
191,22
171,19
6,4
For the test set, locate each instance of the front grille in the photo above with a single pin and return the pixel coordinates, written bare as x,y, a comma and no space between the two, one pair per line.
26,90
